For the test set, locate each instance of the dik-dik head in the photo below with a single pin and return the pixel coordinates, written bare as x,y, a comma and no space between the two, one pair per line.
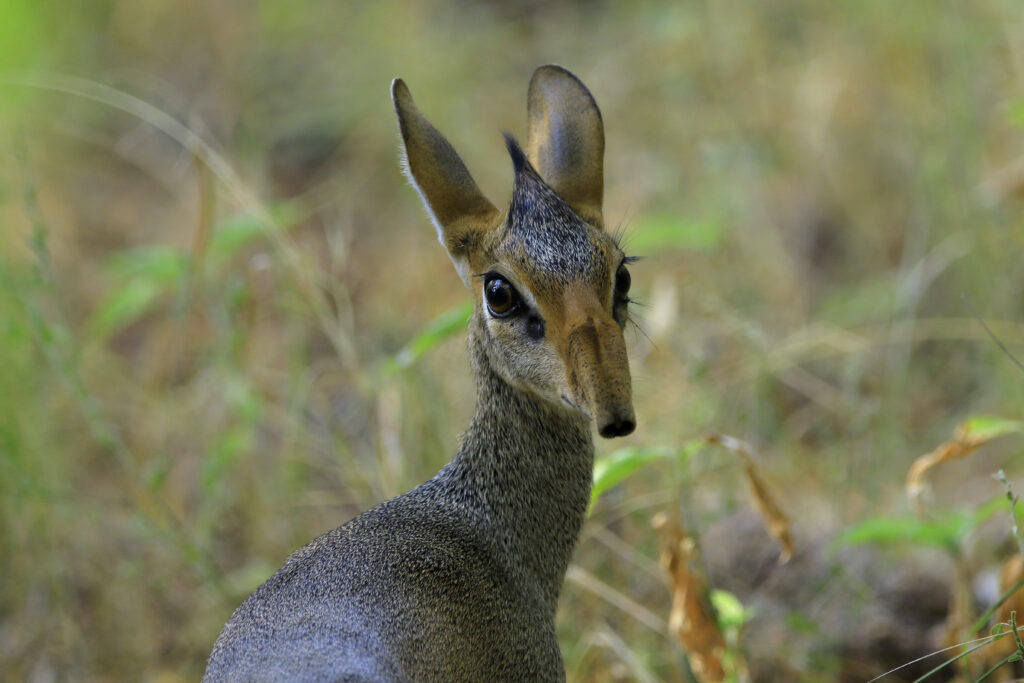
551,287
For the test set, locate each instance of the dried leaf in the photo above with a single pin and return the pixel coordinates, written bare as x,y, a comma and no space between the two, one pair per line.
776,521
960,612
1011,572
969,436
692,619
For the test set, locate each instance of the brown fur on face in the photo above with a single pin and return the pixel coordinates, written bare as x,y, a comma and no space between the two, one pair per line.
549,246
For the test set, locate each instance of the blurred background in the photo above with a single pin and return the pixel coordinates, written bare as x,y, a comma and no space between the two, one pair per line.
226,325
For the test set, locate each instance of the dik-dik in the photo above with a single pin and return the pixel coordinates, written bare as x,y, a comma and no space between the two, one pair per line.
458,579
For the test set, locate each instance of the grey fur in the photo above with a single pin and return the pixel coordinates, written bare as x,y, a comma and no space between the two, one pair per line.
458,579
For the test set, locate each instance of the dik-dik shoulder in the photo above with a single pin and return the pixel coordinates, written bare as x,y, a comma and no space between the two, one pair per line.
402,592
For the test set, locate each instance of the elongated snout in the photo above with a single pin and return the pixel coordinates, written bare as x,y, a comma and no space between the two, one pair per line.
599,372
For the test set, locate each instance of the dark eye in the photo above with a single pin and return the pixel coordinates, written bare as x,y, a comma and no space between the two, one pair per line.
502,298
622,282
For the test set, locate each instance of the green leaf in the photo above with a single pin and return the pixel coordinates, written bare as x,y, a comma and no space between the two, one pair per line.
238,230
898,530
665,232
437,330
619,465
140,277
731,612
947,531
235,232
160,264
988,427
1015,113
123,306
22,31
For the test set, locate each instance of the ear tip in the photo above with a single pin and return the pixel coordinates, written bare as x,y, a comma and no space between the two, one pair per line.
399,91
553,73
551,68
555,81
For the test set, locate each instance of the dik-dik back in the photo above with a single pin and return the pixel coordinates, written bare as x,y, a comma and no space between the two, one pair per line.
458,579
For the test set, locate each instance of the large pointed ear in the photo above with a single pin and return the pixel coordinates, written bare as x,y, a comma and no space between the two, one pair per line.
565,140
460,212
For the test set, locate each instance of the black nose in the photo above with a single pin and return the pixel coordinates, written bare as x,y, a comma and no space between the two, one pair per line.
619,427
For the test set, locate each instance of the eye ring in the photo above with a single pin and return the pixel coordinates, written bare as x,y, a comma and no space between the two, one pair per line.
501,297
623,280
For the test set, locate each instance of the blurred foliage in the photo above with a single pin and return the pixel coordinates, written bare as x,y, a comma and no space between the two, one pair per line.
947,531
620,465
434,333
226,325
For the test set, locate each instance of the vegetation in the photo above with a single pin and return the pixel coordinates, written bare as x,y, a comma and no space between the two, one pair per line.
226,326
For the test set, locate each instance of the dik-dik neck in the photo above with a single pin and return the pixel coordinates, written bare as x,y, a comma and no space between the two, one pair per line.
531,465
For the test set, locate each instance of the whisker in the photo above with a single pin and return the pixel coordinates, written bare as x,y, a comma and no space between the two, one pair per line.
633,321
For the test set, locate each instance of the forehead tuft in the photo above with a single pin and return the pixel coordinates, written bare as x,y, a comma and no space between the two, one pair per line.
545,236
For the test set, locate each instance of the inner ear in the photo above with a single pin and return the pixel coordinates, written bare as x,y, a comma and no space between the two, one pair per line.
565,140
459,210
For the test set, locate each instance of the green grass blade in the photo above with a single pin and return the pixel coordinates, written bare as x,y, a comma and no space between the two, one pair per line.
437,330
946,663
124,305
